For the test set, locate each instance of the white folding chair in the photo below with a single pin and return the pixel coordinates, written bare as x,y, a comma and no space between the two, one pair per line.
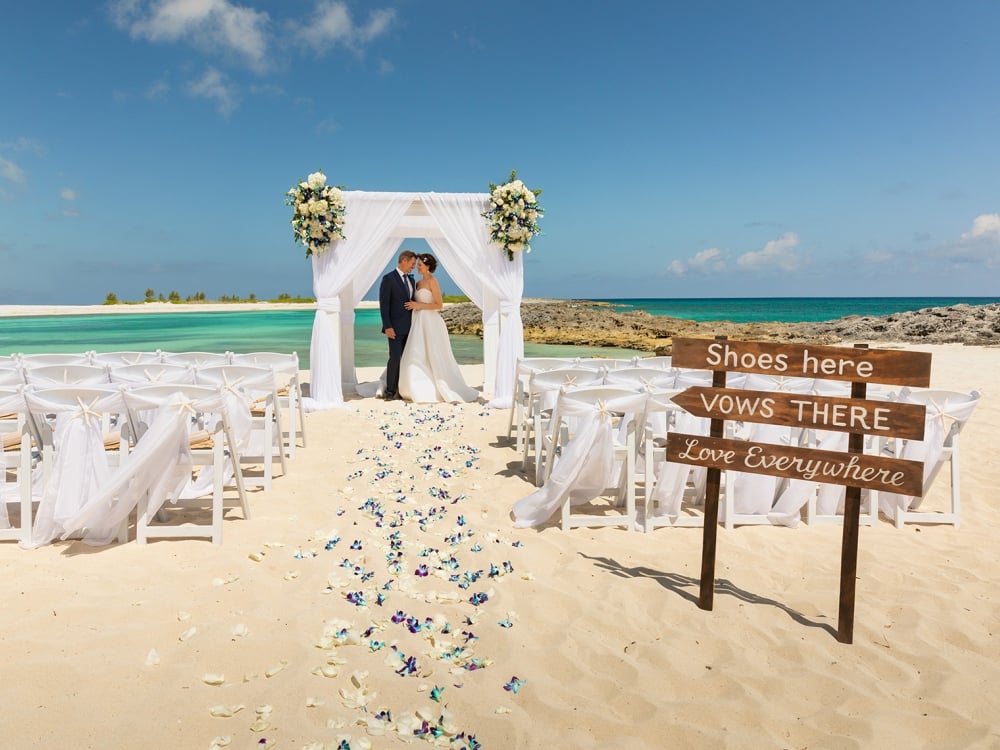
651,447
749,498
151,372
116,359
45,376
947,414
79,435
519,404
43,360
197,359
824,502
654,363
288,379
180,427
543,390
256,385
644,378
593,444
605,364
15,468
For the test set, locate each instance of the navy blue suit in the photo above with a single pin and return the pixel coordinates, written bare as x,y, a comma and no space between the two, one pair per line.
392,295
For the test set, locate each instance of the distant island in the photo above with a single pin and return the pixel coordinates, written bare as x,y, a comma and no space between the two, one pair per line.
200,298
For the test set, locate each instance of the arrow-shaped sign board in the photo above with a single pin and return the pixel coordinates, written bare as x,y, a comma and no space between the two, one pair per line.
831,467
796,410
855,365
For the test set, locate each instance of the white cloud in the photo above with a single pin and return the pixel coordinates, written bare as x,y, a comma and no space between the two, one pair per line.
980,245
779,252
208,24
331,25
710,260
677,267
213,86
984,227
10,171
67,194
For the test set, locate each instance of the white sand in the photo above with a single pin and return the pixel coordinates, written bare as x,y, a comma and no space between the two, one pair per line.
605,630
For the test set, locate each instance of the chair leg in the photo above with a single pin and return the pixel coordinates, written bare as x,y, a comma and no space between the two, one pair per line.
217,491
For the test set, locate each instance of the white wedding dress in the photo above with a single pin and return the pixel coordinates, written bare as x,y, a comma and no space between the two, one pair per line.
428,371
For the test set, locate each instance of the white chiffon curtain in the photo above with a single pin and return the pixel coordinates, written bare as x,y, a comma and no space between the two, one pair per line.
478,266
343,274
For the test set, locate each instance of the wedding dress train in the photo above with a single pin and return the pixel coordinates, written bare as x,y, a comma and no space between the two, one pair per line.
428,372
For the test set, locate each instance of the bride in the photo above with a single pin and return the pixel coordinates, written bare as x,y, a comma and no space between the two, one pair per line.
428,371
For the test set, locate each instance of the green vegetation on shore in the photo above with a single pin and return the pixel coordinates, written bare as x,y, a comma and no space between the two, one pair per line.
201,298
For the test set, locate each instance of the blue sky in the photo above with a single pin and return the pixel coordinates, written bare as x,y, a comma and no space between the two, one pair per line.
685,149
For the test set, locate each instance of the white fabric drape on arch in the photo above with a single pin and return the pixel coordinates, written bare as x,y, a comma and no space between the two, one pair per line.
341,276
344,273
475,264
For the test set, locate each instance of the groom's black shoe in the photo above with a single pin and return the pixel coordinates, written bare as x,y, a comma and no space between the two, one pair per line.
390,396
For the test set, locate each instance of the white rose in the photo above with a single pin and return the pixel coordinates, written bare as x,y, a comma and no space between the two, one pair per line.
529,196
516,246
316,180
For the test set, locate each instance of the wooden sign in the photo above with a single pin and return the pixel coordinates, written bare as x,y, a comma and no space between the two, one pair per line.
856,416
795,410
832,467
855,365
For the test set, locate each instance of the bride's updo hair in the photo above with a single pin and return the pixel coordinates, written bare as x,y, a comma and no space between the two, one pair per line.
429,261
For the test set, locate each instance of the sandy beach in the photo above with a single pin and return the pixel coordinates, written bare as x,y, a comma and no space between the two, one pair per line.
381,587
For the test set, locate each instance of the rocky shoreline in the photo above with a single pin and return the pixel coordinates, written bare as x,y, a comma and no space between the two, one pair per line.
585,323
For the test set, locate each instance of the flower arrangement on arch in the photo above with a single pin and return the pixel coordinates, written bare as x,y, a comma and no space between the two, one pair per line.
513,215
319,213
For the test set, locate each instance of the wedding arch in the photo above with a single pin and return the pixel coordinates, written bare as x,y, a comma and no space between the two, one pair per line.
375,226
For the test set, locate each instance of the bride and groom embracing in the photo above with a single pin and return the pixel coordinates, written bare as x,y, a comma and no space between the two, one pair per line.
421,366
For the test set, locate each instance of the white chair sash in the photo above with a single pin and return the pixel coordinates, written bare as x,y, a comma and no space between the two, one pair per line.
586,466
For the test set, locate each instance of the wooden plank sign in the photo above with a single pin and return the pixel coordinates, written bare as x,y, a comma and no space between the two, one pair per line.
857,416
796,410
811,464
855,365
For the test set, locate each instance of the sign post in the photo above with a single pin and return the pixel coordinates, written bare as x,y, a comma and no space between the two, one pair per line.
855,415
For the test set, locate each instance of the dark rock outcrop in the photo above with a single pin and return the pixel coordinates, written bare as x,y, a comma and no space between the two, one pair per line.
583,323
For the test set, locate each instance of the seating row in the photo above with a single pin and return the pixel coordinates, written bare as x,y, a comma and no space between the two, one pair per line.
560,406
78,458
158,366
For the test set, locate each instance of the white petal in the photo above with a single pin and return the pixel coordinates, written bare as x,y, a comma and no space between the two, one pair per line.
187,634
272,671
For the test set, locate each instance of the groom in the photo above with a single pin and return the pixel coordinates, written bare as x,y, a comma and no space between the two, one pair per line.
396,289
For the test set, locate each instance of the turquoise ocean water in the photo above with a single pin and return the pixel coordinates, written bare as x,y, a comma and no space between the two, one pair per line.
290,330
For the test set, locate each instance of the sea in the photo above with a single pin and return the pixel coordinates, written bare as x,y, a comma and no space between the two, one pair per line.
291,330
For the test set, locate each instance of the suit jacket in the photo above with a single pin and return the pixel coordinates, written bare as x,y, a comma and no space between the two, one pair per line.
392,294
